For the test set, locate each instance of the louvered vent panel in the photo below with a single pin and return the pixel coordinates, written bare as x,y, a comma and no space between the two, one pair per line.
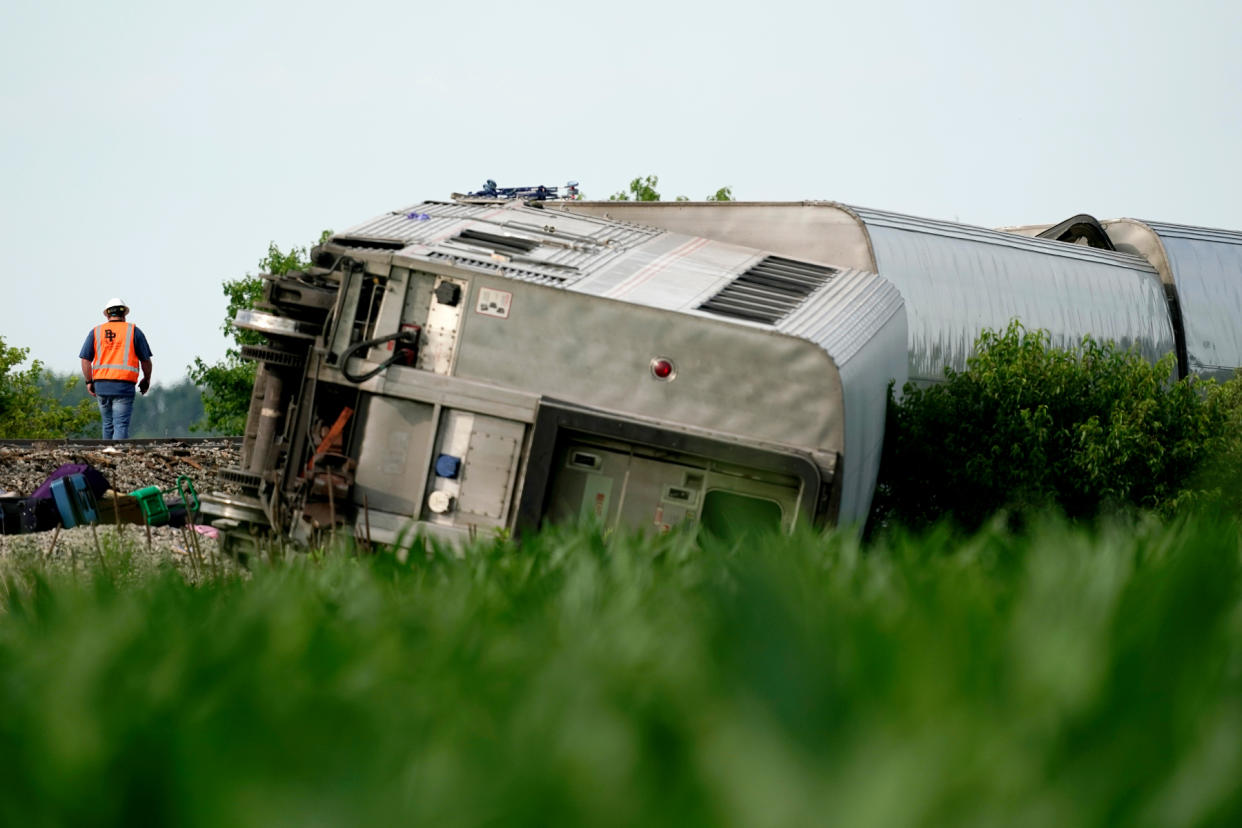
769,291
522,274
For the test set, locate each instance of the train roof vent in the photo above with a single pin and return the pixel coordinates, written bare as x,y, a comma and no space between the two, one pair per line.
769,291
497,242
526,274
369,242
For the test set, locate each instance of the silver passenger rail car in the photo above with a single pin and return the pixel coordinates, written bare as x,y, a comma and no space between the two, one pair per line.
1201,269
955,279
465,367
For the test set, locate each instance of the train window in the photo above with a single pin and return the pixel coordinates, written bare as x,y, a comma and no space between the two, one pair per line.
731,516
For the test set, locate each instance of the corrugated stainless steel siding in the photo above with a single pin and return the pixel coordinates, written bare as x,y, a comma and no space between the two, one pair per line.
843,315
1207,268
1186,231
569,247
958,280
984,236
859,320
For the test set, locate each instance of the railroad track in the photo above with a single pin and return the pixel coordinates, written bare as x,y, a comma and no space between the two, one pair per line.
144,442
127,464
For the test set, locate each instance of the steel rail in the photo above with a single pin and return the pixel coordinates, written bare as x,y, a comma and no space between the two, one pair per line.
136,442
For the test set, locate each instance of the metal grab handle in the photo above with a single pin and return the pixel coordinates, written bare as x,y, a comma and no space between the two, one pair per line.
185,488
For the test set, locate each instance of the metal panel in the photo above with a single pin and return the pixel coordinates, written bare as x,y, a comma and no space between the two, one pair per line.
957,283
489,449
491,462
813,231
991,238
546,247
670,271
860,319
1206,267
594,352
439,336
392,451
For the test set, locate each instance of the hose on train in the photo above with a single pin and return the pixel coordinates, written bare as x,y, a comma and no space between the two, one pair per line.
404,350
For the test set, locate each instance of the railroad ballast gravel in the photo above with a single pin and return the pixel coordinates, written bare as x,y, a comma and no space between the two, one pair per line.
127,466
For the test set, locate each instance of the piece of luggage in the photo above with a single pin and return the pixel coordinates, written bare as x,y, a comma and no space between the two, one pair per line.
11,515
95,480
84,498
39,514
120,508
63,498
44,510
74,501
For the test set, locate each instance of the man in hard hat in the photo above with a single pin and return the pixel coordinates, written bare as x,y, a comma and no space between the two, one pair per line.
111,356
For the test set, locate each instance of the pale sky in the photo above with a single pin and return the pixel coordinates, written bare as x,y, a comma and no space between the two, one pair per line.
152,150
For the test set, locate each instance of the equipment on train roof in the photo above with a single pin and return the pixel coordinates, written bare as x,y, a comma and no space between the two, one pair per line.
536,193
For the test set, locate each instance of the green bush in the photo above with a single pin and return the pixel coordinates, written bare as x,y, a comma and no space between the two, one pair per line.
27,410
227,384
1028,427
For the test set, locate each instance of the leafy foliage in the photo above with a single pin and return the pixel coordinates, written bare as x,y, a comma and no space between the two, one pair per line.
165,410
228,383
28,410
641,189
644,189
1219,483
1069,676
1027,427
226,386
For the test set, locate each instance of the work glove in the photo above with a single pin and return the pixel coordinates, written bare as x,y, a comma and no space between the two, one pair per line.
144,384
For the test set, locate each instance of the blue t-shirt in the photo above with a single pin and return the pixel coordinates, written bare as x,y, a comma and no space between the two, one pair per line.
116,388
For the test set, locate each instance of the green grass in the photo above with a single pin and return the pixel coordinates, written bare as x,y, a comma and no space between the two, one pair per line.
1073,676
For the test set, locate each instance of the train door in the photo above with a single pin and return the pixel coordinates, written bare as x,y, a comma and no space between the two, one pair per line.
588,467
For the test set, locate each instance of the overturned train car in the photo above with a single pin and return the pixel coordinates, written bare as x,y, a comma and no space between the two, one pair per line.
1201,270
456,367
957,279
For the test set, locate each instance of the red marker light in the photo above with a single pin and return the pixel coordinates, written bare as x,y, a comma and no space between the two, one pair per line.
662,368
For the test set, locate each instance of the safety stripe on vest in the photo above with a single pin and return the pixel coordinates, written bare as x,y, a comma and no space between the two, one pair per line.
126,348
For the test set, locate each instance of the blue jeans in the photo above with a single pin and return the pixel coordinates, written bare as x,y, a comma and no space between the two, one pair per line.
115,410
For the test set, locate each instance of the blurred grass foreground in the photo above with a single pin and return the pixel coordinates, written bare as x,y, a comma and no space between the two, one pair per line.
1070,676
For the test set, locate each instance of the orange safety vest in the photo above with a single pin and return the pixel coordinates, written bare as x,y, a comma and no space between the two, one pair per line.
115,357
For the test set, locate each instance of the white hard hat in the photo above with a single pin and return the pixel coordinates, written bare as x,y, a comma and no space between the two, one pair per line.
116,302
